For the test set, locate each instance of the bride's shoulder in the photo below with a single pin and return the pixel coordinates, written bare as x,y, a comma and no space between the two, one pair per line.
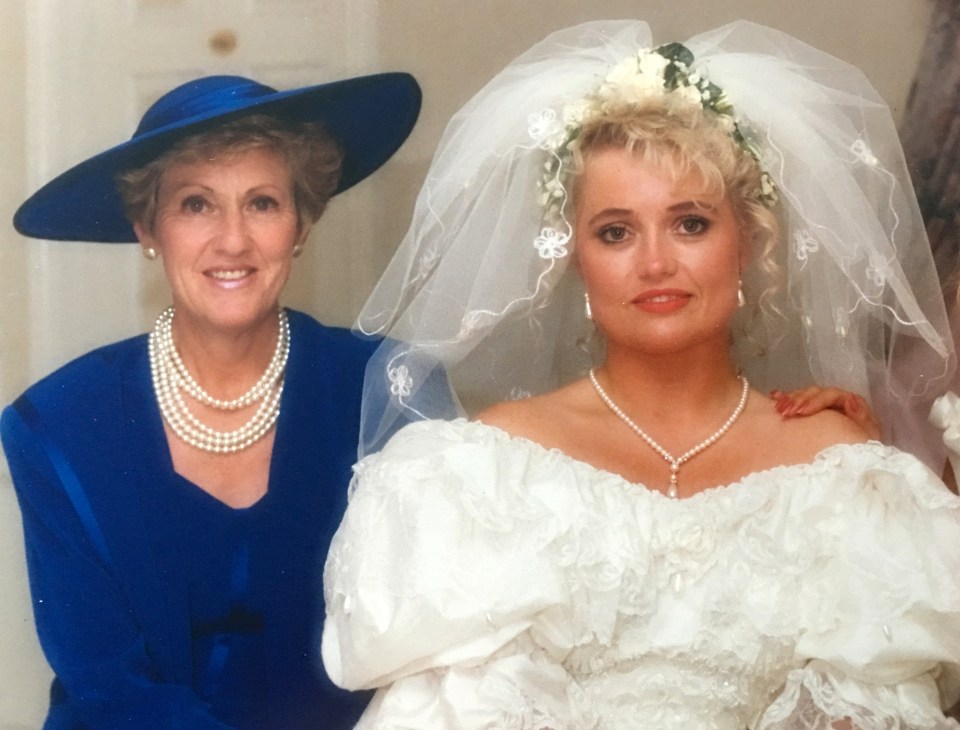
537,417
806,436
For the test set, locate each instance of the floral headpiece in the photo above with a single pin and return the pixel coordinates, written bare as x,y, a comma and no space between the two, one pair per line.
662,70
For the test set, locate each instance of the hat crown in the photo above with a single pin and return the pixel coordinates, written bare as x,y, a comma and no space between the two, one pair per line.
369,115
209,96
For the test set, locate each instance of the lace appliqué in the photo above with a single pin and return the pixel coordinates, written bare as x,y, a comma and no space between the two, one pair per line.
877,272
813,699
543,127
863,153
401,384
804,244
551,243
841,322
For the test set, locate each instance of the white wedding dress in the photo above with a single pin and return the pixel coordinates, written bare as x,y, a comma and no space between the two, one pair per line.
482,581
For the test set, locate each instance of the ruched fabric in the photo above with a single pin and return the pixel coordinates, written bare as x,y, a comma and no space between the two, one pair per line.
482,581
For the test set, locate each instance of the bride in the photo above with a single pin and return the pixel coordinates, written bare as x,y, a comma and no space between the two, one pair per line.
633,537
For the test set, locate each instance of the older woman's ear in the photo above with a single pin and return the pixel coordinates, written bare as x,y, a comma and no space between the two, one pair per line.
301,242
148,244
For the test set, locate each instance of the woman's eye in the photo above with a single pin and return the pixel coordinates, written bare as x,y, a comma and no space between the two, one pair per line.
613,233
194,204
264,202
693,224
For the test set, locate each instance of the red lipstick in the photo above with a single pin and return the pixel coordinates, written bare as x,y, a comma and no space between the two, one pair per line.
661,301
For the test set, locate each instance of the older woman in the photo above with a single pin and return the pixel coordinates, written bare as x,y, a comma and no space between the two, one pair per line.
650,545
179,490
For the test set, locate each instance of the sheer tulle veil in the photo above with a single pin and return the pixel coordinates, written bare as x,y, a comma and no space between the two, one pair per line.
474,308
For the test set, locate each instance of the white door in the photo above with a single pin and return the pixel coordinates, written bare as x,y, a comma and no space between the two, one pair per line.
94,67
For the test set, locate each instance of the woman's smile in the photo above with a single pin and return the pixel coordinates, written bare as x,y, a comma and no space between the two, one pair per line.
231,278
226,229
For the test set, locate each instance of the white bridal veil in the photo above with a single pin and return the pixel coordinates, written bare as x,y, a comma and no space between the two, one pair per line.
480,303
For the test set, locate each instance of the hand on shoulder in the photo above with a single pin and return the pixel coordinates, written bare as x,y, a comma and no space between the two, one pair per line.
815,399
814,431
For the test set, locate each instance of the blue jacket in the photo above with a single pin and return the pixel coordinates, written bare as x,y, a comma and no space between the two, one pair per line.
92,472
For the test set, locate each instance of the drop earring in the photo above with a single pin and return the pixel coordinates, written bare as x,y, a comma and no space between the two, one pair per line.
149,253
741,300
587,312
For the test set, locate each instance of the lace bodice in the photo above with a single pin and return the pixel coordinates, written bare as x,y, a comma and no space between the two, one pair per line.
484,582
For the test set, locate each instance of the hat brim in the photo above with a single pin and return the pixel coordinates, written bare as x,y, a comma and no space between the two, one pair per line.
370,116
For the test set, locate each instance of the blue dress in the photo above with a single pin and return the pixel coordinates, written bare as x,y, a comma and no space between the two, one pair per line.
158,606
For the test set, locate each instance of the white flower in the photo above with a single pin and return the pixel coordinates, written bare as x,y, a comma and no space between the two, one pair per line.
553,188
768,189
574,114
551,243
622,73
642,87
651,63
635,79
632,81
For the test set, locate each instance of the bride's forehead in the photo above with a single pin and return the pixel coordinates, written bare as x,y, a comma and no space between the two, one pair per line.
623,172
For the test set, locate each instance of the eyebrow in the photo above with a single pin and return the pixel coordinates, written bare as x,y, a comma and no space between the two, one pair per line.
692,205
676,208
175,186
606,212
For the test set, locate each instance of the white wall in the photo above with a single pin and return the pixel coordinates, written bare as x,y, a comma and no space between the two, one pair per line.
453,46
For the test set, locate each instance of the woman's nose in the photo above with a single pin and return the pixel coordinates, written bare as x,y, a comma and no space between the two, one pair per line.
655,257
233,235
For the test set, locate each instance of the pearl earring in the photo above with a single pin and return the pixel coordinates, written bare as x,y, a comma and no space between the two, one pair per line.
297,249
149,253
587,312
741,300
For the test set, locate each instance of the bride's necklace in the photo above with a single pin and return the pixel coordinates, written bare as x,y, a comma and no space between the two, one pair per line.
171,380
675,461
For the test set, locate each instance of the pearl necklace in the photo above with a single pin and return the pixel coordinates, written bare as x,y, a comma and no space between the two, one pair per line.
171,379
675,461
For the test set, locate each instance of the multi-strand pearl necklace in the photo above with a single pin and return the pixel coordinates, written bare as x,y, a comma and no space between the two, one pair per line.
171,380
675,461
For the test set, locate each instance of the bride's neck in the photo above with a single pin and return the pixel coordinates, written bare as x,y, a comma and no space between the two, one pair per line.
670,384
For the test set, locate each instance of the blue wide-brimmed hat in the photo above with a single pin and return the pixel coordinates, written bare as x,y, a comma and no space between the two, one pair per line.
370,116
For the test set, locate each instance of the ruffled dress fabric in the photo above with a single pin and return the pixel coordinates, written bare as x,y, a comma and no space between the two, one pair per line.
482,581
945,415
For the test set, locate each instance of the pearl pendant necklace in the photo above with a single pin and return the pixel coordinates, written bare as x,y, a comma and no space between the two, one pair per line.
171,380
675,461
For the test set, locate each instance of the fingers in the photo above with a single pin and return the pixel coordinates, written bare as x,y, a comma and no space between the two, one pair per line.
808,401
811,400
857,410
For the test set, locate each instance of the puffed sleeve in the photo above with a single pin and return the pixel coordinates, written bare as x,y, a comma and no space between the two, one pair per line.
437,590
945,415
83,619
880,607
